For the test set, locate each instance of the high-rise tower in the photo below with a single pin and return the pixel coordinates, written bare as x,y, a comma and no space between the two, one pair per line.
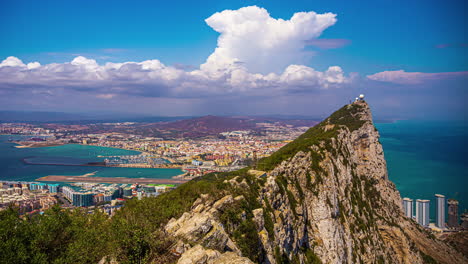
440,211
452,213
408,207
422,212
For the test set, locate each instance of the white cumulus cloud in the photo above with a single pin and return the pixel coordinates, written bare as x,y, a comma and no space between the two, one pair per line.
33,65
153,78
12,62
15,62
256,55
261,43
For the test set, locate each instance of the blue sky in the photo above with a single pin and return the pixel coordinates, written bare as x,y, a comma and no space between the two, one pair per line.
372,37
390,34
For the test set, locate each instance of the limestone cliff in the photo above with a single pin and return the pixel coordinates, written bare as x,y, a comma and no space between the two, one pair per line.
324,198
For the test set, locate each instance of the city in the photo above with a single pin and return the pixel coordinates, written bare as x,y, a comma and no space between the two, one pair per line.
225,151
35,197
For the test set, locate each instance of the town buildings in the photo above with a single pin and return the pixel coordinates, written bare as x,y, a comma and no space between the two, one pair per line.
230,151
36,196
27,200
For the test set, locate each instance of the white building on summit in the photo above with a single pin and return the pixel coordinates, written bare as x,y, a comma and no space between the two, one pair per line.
359,98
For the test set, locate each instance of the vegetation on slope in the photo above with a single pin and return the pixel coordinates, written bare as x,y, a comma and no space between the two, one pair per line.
133,235
58,236
347,116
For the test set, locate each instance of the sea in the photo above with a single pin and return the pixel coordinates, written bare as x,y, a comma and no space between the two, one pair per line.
13,167
424,158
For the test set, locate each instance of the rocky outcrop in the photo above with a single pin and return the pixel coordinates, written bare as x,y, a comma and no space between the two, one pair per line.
200,255
458,240
201,226
326,198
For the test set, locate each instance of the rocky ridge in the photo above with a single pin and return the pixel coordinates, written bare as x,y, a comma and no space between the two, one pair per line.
324,198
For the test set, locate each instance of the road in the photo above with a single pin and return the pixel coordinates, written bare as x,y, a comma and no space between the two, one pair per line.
60,178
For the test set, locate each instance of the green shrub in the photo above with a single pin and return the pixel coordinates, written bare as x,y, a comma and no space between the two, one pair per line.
427,259
311,257
299,190
269,225
347,116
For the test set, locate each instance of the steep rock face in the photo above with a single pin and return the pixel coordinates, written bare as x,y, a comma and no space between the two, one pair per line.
325,198
328,199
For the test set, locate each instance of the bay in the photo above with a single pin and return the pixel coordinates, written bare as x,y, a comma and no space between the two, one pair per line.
12,166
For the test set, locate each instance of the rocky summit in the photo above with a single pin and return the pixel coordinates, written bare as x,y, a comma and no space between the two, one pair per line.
323,198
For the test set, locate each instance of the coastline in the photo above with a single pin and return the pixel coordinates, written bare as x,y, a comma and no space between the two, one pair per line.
180,176
24,169
23,144
139,152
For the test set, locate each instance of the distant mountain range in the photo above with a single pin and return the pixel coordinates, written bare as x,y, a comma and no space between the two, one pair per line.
165,127
19,116
87,118
79,118
206,125
213,125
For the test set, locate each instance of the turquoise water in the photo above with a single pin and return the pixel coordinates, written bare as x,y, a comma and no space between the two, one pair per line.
425,158
12,166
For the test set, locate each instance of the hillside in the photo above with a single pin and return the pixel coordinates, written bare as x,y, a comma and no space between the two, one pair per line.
207,125
323,198
213,125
